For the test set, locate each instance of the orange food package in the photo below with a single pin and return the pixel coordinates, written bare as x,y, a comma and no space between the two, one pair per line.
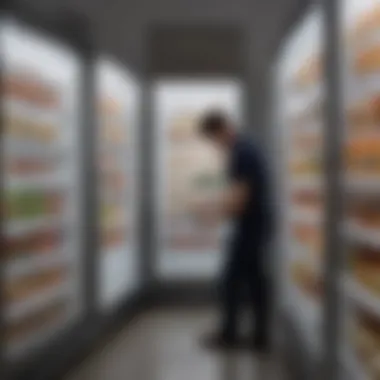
308,281
363,146
366,268
29,88
24,287
368,62
366,24
110,106
309,73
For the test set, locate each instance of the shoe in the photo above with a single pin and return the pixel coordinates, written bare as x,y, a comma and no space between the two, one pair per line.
219,342
260,345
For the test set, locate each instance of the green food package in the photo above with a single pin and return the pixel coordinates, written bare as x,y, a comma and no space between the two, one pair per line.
25,204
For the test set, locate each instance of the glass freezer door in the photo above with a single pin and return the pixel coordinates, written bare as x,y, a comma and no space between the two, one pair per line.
117,111
361,280
190,172
301,129
41,100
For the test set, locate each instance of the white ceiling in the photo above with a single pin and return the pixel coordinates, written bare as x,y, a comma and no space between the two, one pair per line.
121,27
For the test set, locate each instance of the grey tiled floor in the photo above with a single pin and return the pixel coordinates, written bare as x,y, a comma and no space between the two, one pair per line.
164,345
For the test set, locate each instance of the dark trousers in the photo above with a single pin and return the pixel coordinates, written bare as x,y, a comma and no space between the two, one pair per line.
244,273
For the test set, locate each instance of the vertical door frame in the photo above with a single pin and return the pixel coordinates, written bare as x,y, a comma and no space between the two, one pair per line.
333,154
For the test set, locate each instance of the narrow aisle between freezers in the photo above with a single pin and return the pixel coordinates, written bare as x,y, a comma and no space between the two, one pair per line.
165,345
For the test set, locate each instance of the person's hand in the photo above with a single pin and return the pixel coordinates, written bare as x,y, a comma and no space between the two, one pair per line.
207,210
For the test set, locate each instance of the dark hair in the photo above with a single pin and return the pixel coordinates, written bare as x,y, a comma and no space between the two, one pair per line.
213,122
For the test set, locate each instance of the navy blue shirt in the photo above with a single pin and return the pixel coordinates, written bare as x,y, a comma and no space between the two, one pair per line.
247,165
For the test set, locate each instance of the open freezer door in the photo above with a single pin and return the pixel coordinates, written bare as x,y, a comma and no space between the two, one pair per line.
190,171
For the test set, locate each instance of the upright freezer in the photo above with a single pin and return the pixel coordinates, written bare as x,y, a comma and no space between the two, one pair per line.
41,264
117,97
358,279
299,133
361,278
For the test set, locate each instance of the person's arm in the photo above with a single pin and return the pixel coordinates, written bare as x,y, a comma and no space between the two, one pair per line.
229,203
235,199
240,190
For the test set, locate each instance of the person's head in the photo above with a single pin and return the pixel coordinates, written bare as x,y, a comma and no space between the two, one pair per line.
217,127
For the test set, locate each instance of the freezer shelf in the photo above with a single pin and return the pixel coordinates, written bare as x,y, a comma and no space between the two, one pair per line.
369,185
23,227
19,349
45,181
308,183
32,263
36,302
307,215
352,368
363,297
356,233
